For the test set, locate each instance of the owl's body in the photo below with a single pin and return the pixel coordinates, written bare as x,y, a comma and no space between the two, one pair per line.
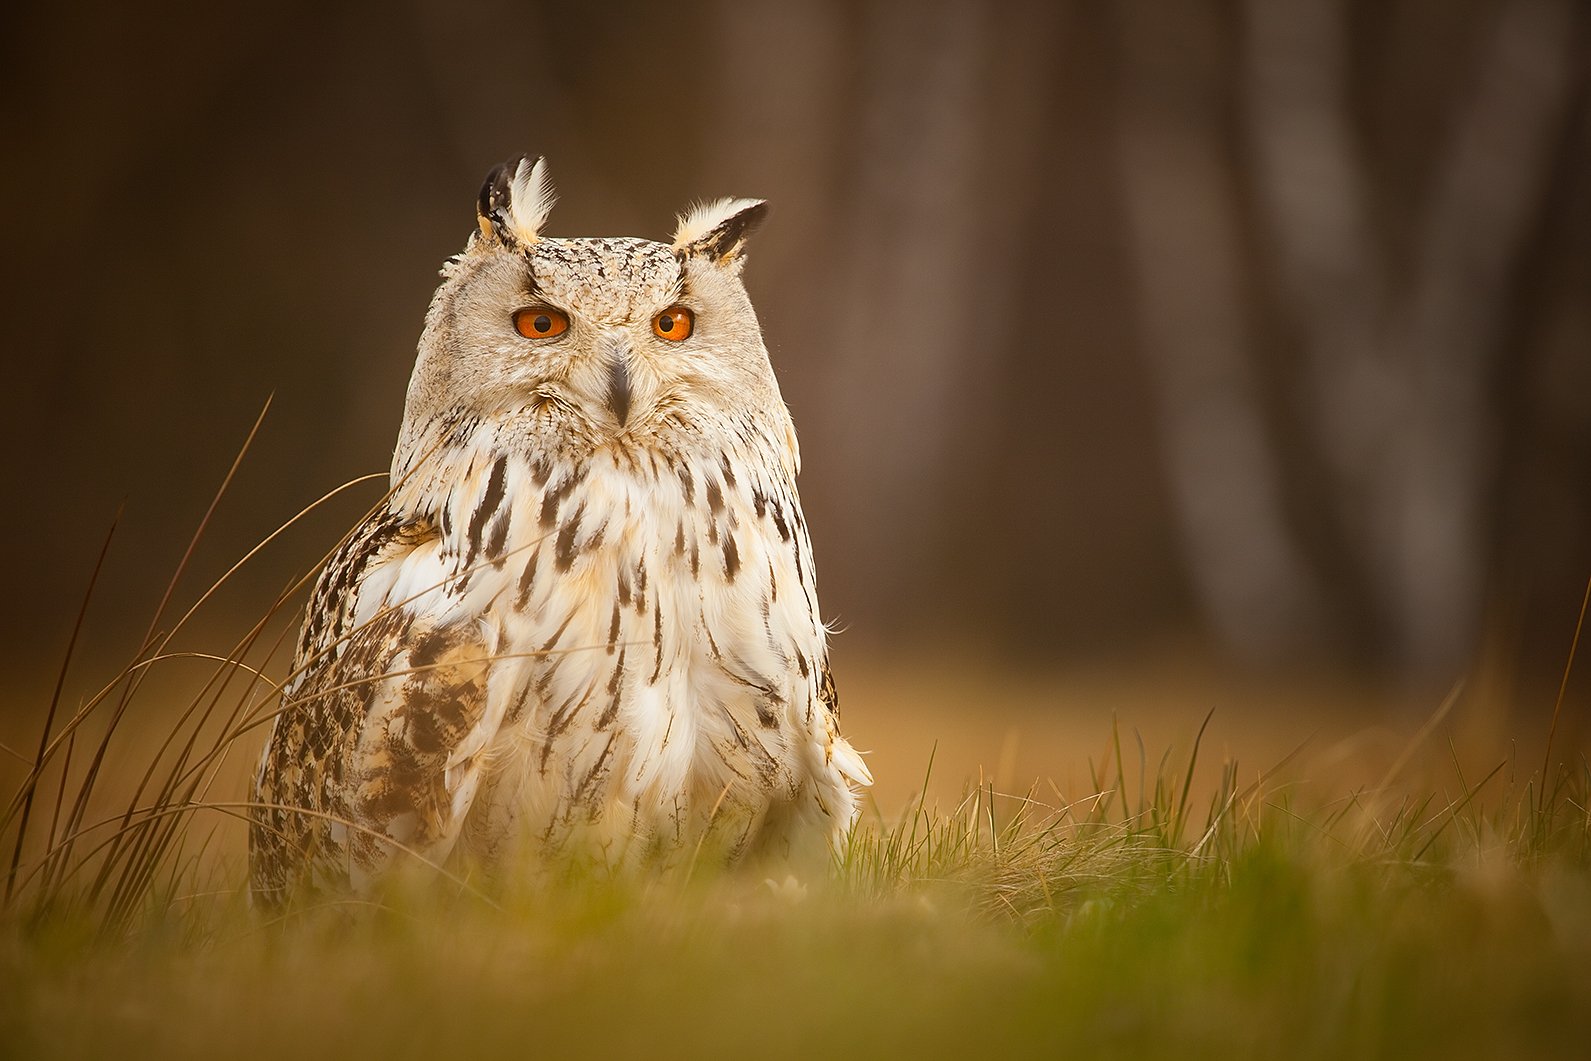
585,620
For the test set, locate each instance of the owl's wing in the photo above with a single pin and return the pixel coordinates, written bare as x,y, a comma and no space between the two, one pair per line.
374,756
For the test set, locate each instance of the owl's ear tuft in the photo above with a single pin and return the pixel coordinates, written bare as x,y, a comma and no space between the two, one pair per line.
718,230
515,201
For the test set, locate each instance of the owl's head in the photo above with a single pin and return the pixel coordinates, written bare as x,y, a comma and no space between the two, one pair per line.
607,340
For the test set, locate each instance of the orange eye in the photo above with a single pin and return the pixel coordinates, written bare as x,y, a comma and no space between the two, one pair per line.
540,322
674,324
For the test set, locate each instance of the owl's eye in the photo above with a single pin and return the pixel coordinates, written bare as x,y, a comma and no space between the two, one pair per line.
540,322
674,324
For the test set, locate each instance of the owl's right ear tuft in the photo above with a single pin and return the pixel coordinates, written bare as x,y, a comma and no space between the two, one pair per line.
515,201
718,230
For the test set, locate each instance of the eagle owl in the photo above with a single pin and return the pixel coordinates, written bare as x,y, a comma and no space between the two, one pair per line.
585,617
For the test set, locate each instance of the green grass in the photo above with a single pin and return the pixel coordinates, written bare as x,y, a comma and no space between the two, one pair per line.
1371,926
1190,909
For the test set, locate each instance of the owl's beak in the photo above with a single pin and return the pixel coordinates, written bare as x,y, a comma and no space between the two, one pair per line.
619,386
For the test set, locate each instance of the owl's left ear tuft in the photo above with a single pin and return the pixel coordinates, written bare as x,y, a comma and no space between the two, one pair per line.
515,201
718,230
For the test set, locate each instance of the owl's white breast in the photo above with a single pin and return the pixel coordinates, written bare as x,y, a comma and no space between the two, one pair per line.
658,648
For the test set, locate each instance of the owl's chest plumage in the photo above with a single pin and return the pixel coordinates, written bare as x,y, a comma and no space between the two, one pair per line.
657,660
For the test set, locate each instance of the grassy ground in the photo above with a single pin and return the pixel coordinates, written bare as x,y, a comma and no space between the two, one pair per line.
1256,924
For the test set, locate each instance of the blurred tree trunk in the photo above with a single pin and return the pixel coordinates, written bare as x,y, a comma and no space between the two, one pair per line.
1397,362
1184,229
906,281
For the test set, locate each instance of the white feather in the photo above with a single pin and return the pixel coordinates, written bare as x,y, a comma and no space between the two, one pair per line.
530,199
849,761
704,217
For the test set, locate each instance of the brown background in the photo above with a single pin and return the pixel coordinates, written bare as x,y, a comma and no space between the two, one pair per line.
1258,330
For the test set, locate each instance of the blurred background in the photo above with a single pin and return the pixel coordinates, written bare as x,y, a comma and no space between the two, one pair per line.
1151,347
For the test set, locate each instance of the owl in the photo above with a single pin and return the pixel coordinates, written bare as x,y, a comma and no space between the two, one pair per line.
584,622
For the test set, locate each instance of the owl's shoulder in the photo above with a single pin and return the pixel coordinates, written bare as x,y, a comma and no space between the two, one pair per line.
337,604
